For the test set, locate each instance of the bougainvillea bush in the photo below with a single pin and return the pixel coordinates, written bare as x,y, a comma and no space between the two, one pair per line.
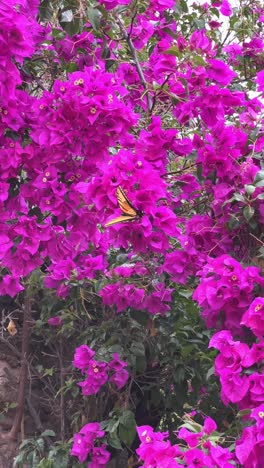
157,321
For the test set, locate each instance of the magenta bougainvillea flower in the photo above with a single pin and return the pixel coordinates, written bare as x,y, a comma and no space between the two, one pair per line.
120,375
253,318
156,451
97,373
96,377
228,287
55,321
100,457
83,443
82,357
250,448
260,80
10,285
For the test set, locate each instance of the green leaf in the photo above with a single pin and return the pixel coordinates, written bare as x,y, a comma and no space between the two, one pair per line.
253,224
116,348
179,374
248,212
185,84
243,413
260,196
19,459
94,16
128,419
238,197
184,6
198,60
114,441
71,67
187,350
75,392
60,458
210,372
48,433
237,25
58,34
26,442
104,424
49,372
106,51
192,426
45,10
259,176
199,23
260,183
44,463
215,12
109,63
127,427
12,405
138,349
66,16
113,425
250,189
170,32
140,316
233,222
186,294
31,458
127,435
40,444
73,27
174,50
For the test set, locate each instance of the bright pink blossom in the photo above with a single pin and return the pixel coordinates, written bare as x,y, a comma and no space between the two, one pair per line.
254,317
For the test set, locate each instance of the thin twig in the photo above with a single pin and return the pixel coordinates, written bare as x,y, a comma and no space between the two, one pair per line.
137,64
160,91
178,171
11,347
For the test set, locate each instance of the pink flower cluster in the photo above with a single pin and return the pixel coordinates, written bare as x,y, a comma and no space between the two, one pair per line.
19,36
123,296
97,372
253,318
240,369
155,451
250,448
235,365
84,446
225,292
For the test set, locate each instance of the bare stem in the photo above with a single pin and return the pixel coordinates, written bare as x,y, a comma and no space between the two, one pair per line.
23,371
62,398
137,64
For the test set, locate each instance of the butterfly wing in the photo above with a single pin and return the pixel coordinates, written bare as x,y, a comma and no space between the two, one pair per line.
129,212
124,204
11,328
120,219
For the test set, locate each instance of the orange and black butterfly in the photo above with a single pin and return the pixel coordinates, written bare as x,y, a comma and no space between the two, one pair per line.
130,213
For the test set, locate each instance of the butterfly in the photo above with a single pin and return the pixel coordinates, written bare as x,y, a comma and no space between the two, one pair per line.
130,213
11,328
